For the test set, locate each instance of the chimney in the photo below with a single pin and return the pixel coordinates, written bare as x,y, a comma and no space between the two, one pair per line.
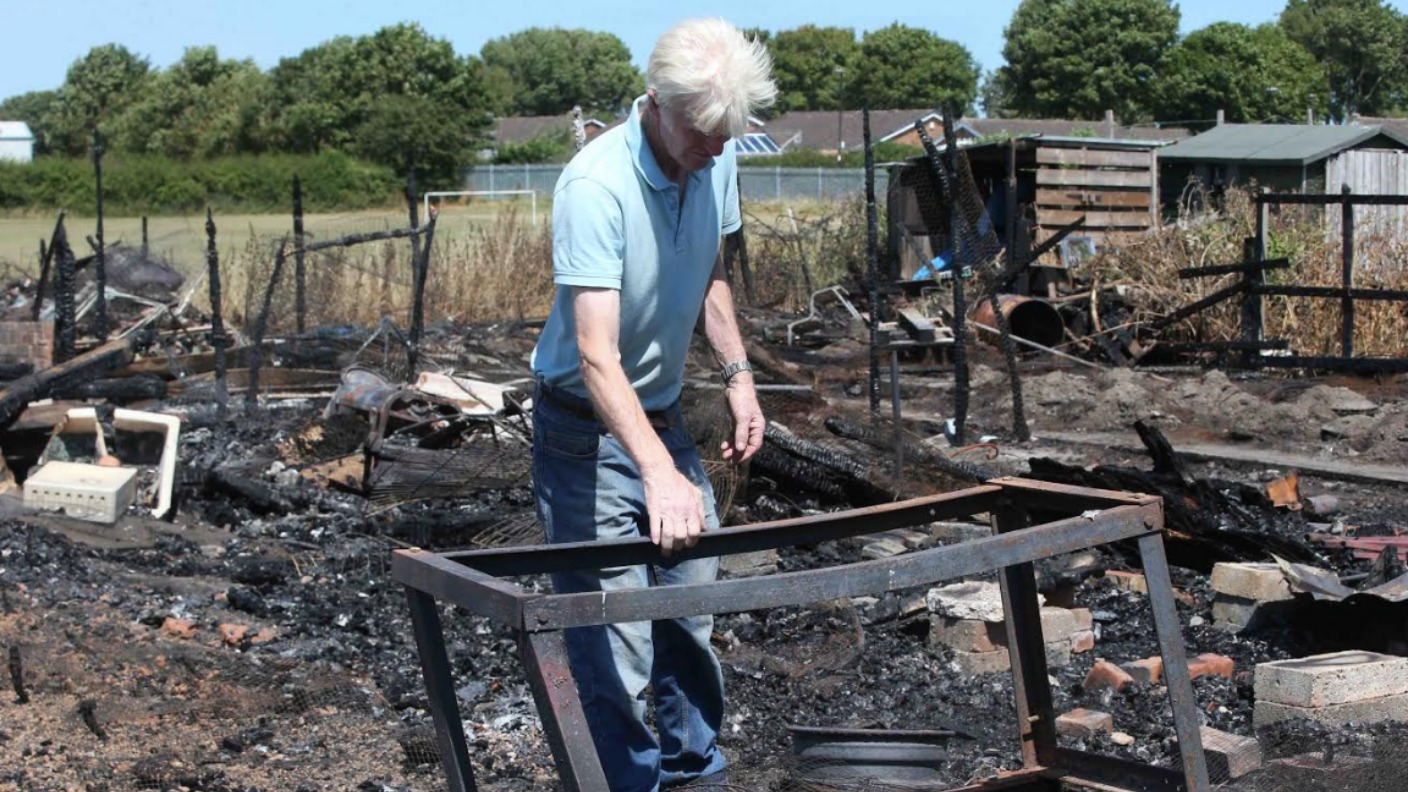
1310,115
1221,116
1110,124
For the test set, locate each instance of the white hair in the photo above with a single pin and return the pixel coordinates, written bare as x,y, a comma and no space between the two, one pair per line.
714,73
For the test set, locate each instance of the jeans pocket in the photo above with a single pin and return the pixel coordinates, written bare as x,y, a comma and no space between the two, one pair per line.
567,443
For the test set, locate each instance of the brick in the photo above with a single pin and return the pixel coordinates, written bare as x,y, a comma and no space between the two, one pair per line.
1122,739
1149,671
1084,619
1209,664
1129,581
952,532
967,635
1336,678
914,540
233,634
1377,710
974,663
1083,723
178,628
1082,641
1257,582
1228,755
913,605
1057,624
1105,674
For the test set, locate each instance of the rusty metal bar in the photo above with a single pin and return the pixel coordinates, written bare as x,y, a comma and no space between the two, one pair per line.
1097,772
544,559
1180,685
1026,647
440,690
469,588
865,577
560,709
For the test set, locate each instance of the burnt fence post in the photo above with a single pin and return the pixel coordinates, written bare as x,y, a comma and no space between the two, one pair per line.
100,275
300,300
217,321
1347,273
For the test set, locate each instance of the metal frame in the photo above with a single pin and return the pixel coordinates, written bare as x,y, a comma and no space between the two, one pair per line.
472,581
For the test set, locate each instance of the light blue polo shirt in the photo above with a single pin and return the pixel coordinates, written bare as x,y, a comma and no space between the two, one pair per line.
617,223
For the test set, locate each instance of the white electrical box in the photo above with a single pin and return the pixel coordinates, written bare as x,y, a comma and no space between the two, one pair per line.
86,492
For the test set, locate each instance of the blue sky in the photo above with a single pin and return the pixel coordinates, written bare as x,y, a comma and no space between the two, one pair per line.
42,38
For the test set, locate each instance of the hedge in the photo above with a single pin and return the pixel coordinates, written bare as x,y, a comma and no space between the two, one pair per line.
134,185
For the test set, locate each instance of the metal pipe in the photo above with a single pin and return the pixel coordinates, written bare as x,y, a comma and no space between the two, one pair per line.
1029,318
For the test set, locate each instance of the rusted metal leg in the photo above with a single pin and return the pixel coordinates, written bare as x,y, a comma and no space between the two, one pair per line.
564,720
1035,712
1180,686
440,689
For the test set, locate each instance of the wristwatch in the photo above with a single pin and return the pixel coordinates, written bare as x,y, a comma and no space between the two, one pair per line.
728,372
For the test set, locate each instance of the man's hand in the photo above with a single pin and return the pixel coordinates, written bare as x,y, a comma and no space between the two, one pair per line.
748,420
675,509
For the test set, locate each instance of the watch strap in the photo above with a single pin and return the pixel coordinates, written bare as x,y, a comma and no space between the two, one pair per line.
729,371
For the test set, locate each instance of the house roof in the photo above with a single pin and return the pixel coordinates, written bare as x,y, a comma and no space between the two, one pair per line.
519,129
819,129
1279,144
15,130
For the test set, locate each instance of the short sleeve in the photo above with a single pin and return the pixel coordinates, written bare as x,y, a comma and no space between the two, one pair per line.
732,216
588,240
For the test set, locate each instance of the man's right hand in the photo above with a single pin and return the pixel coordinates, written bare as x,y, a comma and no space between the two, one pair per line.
675,509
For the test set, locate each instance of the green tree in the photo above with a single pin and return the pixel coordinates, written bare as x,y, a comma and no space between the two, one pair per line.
1361,44
553,69
902,67
98,87
992,96
201,106
809,65
1079,58
1253,74
33,108
342,91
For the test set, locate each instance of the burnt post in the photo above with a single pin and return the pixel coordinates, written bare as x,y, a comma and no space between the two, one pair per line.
300,302
65,312
872,257
146,242
217,321
100,275
420,273
46,257
943,175
412,197
742,248
1252,280
1347,274
251,397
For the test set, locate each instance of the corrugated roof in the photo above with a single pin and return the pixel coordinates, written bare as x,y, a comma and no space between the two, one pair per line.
1278,144
15,130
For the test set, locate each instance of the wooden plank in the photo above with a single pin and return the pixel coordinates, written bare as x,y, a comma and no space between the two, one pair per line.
1072,177
1092,198
918,326
1093,157
1057,218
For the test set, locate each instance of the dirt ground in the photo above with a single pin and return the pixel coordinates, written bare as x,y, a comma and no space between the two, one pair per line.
243,647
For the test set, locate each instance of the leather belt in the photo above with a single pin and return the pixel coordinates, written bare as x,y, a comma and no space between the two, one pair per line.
581,408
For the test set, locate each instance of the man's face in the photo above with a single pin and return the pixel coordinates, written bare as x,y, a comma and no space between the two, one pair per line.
687,146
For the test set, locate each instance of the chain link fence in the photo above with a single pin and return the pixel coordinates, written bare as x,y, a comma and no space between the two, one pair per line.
757,183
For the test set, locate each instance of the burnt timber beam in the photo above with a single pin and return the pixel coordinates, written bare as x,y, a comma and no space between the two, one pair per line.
88,366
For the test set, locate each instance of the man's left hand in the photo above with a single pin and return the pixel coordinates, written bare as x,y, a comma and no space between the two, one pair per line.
748,421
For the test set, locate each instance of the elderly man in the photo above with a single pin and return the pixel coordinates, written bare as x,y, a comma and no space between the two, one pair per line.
637,220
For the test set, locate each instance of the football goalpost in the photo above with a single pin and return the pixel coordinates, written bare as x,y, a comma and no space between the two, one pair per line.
532,199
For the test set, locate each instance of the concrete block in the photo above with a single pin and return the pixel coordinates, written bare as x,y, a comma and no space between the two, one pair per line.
914,540
1083,724
1329,679
1257,582
967,635
883,548
1149,671
969,600
954,532
1057,624
1058,654
1082,641
87,492
974,663
1233,614
1228,755
1377,710
746,565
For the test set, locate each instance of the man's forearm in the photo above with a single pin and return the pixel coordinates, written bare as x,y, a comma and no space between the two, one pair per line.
619,408
721,323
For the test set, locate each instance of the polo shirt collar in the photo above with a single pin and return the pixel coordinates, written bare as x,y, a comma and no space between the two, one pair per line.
644,158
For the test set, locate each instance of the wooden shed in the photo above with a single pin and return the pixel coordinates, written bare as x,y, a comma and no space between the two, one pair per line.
1112,184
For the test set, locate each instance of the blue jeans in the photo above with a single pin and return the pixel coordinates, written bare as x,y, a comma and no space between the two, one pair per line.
588,488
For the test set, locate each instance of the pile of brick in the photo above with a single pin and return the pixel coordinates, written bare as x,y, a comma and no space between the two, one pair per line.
968,618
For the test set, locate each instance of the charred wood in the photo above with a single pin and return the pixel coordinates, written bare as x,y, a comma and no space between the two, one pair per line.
16,665
258,496
251,398
85,367
217,321
884,441
13,371
45,260
65,311
831,474
87,710
118,390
